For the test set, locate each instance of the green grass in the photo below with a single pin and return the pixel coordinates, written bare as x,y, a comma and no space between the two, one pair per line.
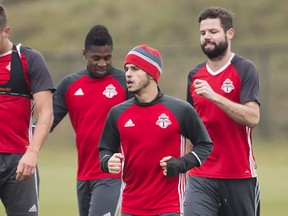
60,25
272,159
57,163
58,181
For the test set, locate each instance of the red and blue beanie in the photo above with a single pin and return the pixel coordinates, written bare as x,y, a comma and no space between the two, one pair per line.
146,58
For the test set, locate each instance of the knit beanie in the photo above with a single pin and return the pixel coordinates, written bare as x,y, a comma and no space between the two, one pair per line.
146,58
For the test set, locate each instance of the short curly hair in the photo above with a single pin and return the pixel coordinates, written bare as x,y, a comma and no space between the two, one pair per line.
98,36
218,12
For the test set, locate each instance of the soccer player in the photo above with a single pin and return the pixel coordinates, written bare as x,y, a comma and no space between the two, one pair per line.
87,96
225,92
25,84
150,129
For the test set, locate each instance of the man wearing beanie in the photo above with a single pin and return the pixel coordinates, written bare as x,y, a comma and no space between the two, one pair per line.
150,130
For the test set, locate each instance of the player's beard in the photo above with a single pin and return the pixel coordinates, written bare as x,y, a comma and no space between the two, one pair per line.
218,51
142,85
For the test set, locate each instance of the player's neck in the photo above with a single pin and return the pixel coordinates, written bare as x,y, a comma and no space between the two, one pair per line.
7,46
148,94
217,63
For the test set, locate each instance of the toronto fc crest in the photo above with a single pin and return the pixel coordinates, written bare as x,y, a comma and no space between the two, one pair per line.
110,91
163,121
227,86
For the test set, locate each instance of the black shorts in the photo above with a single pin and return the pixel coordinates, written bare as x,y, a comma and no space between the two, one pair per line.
99,197
222,197
18,197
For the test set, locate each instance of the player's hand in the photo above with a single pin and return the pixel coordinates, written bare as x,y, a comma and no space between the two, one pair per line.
115,163
163,164
203,88
26,166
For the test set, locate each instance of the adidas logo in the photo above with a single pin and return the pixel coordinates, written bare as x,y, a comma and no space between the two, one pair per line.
107,214
129,123
33,209
79,92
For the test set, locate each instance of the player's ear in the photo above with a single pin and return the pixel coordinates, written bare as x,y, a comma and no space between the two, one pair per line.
6,31
150,77
84,53
230,33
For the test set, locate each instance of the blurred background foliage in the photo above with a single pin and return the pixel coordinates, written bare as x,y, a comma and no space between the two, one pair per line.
57,28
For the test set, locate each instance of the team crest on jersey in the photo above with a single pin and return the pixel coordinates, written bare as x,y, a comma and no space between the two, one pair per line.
110,91
163,121
227,86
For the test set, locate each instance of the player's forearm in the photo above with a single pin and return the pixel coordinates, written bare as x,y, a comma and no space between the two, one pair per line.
41,131
246,114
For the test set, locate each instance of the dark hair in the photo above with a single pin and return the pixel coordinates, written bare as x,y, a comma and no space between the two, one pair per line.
98,36
3,17
218,12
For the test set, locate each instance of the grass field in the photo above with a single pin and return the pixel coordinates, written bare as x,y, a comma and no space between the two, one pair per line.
57,165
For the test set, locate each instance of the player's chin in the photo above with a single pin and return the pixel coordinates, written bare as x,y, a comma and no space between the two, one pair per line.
132,90
100,73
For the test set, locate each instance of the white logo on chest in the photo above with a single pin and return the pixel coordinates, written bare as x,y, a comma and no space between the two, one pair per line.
163,121
110,91
227,86
79,92
129,123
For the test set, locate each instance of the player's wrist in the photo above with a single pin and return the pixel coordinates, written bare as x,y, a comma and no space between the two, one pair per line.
181,165
104,163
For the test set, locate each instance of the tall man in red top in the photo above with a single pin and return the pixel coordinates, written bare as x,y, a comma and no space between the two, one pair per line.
225,92
151,131
25,84
87,96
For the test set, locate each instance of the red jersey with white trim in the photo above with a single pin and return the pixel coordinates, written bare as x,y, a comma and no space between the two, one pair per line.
232,156
88,102
147,132
23,72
